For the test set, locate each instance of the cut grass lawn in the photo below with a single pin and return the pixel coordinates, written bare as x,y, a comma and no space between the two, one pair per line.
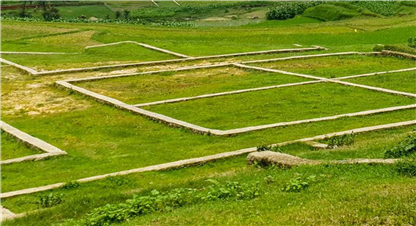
11,148
339,66
169,85
279,105
403,81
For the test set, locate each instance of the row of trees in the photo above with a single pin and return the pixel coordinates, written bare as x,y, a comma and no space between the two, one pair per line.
49,12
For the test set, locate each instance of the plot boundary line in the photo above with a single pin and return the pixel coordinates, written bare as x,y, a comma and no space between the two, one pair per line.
135,108
32,142
209,158
58,71
147,46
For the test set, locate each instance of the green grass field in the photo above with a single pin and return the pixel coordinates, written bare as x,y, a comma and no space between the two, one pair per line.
279,105
339,66
101,139
169,85
13,148
403,81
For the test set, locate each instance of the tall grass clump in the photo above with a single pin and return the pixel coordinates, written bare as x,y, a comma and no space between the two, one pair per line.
286,11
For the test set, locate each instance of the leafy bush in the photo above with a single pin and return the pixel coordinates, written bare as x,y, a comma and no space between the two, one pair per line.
404,148
385,8
286,11
264,148
71,185
50,200
168,201
407,167
337,141
51,14
298,184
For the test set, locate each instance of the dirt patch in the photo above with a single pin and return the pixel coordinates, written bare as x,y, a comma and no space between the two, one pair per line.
22,94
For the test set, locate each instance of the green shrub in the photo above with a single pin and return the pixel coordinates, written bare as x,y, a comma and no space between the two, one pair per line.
385,8
298,184
264,148
337,141
168,201
71,185
51,14
407,167
50,200
286,11
404,148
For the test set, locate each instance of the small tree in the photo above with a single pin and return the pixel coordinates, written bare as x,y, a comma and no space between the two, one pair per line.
118,14
126,14
42,4
51,14
23,12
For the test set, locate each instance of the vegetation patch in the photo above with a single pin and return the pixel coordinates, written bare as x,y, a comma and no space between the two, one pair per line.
327,12
405,148
167,201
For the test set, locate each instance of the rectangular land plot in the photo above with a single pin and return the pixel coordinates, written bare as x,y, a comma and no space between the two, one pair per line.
169,85
279,105
402,81
107,55
339,66
11,148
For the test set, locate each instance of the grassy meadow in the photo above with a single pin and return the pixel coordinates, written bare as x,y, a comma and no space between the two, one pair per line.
101,139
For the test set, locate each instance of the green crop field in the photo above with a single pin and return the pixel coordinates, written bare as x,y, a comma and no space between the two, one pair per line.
253,100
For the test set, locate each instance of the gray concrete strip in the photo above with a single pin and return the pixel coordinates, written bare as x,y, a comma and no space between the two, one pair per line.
32,142
400,54
148,72
279,71
140,44
374,88
223,93
30,190
34,53
302,57
259,52
200,160
177,3
317,145
24,68
155,116
365,161
170,61
281,124
154,2
6,214
376,73
163,50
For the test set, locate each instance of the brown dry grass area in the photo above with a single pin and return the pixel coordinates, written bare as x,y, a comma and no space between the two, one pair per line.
22,94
